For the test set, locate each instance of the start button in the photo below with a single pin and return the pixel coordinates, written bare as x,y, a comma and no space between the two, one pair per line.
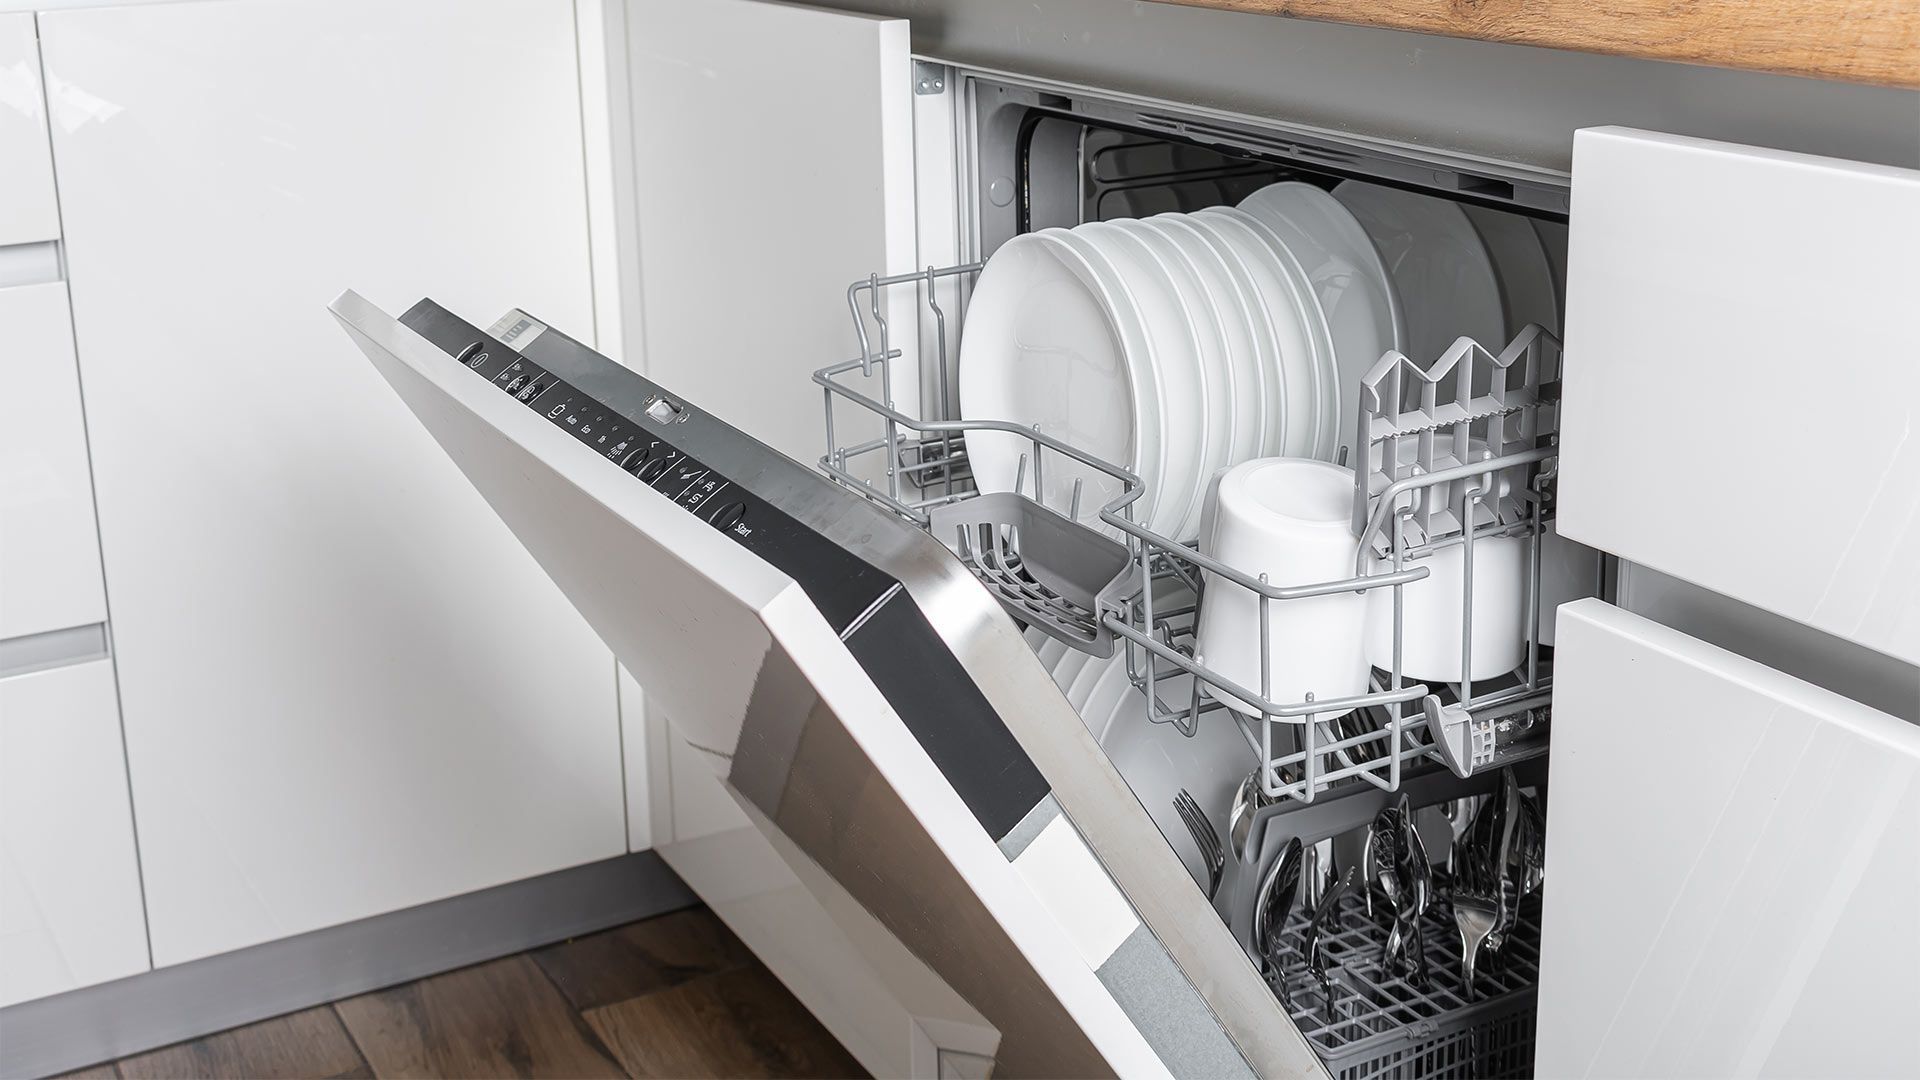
662,411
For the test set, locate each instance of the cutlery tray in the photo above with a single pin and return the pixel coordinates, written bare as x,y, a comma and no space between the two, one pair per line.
1382,1026
1087,586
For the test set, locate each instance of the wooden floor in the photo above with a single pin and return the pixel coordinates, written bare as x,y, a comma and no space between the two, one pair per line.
673,996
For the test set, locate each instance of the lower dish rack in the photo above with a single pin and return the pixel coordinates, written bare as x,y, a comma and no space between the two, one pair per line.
1091,579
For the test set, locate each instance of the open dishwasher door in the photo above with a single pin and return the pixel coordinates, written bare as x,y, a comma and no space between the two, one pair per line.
870,707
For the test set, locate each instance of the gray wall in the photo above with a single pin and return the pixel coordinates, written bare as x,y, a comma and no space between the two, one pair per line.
1503,101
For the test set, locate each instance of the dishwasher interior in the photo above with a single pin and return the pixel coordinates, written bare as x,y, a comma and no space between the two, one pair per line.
1382,821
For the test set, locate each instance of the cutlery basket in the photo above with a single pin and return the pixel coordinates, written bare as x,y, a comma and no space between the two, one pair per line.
1089,586
1382,1026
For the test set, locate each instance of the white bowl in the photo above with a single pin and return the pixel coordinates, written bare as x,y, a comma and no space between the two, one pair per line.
1288,518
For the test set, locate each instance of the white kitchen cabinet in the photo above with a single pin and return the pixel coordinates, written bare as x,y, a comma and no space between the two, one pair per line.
28,210
70,911
1747,909
49,550
734,270
347,690
1740,389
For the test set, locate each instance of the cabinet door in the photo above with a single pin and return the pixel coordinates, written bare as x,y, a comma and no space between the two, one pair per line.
1731,870
347,689
28,212
1740,390
49,551
773,166
69,883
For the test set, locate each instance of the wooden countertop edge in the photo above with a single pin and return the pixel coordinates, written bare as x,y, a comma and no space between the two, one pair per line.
1863,41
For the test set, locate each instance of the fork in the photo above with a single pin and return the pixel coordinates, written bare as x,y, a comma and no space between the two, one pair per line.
1476,908
1204,837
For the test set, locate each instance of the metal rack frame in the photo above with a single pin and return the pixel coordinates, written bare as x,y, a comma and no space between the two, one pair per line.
1092,588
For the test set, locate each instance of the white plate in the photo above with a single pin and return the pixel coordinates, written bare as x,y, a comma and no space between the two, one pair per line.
1355,289
1067,667
1208,324
1251,285
1143,363
1050,652
1044,348
1248,344
1296,319
1176,360
1102,702
1442,270
1084,681
1520,263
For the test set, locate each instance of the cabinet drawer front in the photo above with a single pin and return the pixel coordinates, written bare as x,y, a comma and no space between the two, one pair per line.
1741,391
1732,863
49,549
70,911
28,213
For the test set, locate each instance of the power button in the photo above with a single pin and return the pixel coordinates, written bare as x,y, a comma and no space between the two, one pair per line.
662,411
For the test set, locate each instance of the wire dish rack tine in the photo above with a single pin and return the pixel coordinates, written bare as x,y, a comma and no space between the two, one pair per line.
1458,451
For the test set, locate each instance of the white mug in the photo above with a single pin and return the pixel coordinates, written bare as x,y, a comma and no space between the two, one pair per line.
1431,622
1431,619
1291,519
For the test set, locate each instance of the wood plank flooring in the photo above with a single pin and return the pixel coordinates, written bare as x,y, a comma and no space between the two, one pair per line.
673,996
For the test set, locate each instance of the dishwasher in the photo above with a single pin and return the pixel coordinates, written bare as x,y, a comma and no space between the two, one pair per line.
866,650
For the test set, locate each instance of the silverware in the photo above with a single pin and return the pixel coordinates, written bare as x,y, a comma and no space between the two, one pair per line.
1503,856
1270,911
1313,946
1399,863
1204,837
1530,845
1476,887
1246,801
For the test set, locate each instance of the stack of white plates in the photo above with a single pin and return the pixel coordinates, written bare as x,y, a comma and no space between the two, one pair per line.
1179,345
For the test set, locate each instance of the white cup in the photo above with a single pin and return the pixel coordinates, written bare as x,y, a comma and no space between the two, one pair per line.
1431,621
1291,519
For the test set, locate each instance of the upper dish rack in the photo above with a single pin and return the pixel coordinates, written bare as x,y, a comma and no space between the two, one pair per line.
1140,590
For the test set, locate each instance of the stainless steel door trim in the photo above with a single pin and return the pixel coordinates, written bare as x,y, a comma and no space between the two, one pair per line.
1105,812
1173,1017
818,795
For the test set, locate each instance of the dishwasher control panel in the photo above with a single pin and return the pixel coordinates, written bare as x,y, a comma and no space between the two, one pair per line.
639,428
